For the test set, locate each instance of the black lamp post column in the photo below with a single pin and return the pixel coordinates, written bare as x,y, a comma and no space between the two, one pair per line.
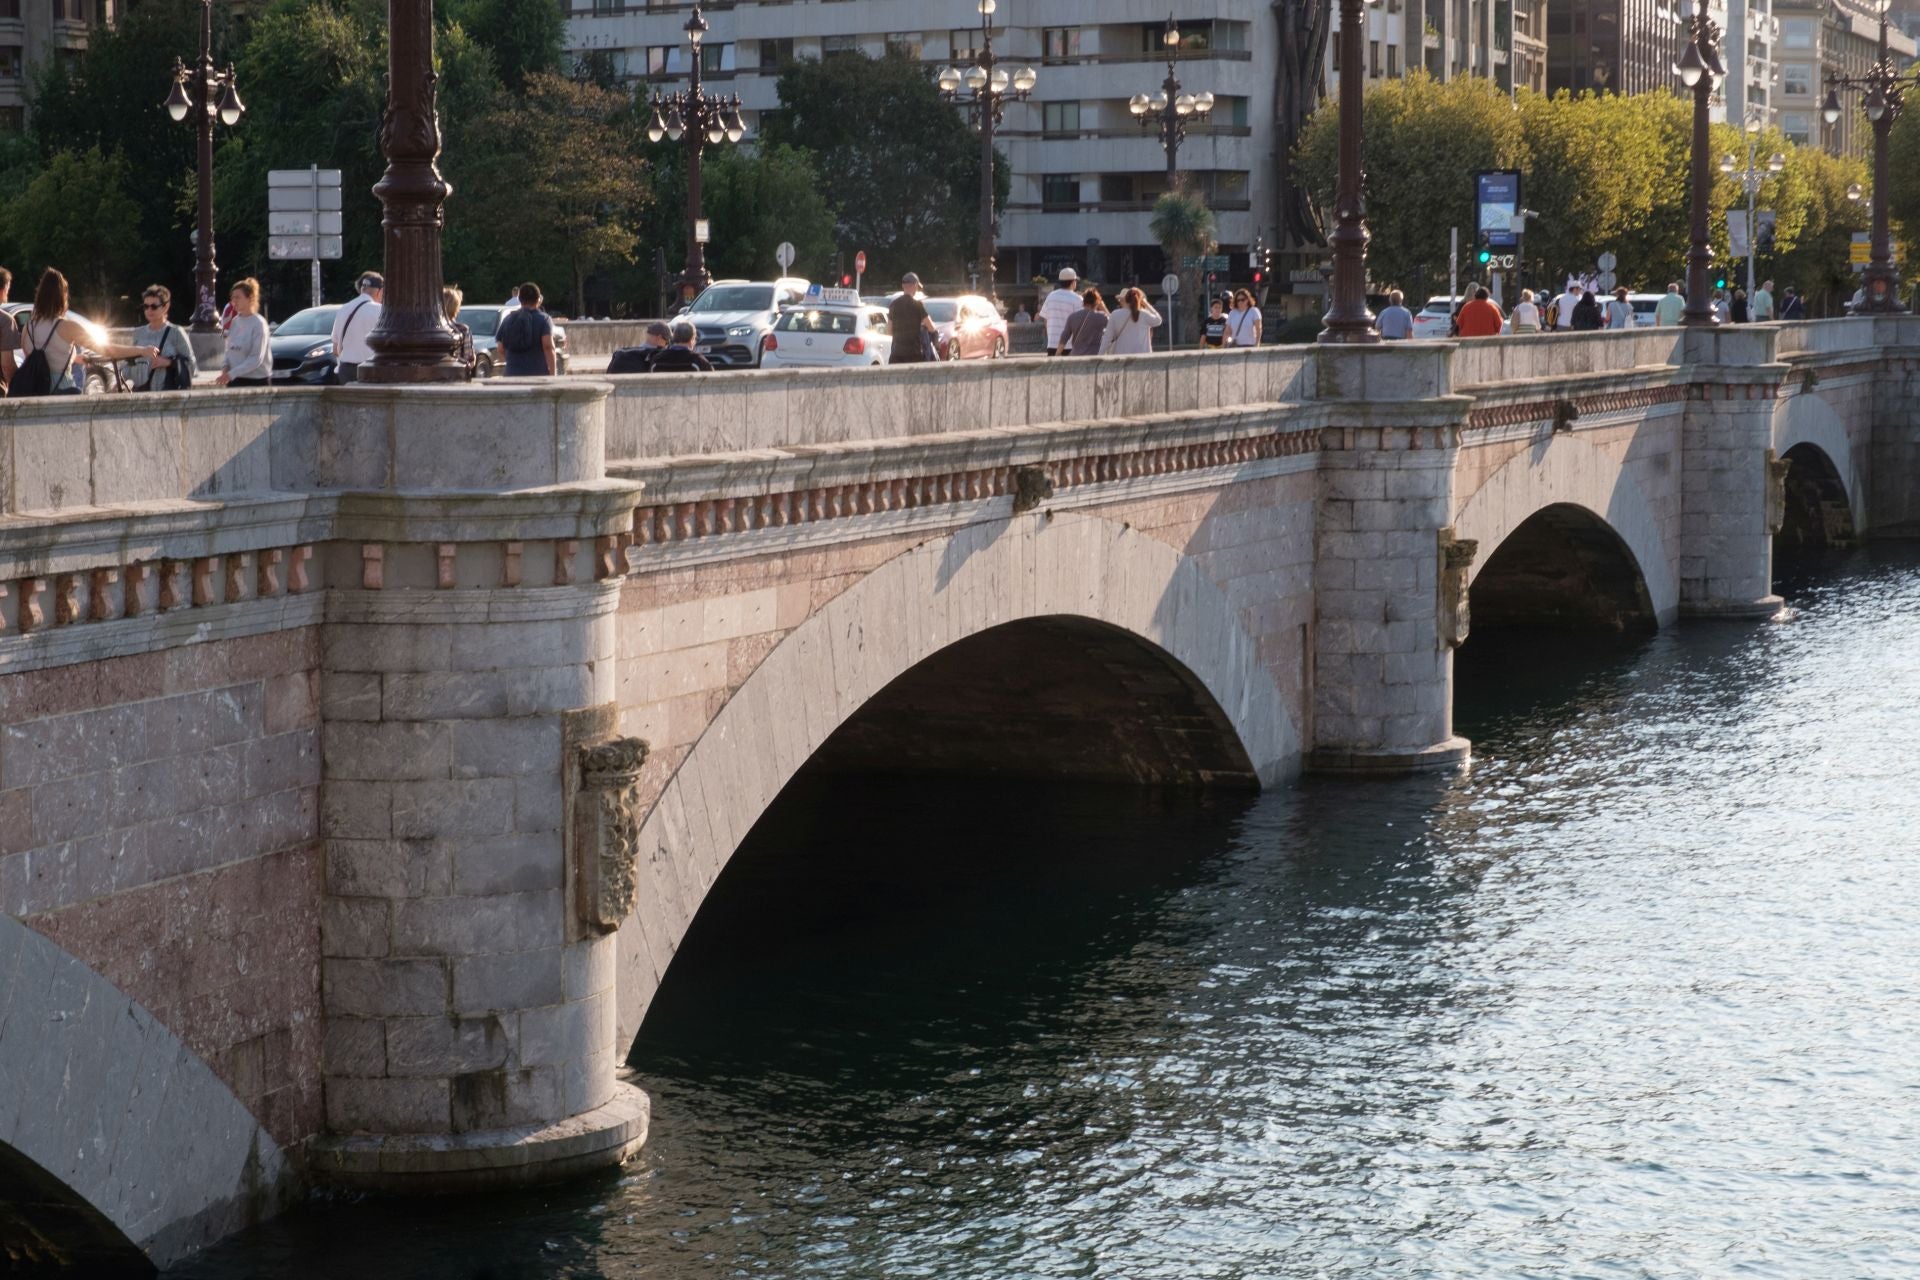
1172,107
194,93
1348,320
1699,66
1885,95
700,119
988,89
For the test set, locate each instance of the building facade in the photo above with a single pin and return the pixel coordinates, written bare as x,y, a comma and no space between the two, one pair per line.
1822,38
32,31
1629,46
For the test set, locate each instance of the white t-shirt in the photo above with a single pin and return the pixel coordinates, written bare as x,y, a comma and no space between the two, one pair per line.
1243,327
353,324
1526,318
1055,309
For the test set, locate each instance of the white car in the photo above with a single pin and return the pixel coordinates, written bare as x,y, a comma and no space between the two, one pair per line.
1435,320
828,333
734,317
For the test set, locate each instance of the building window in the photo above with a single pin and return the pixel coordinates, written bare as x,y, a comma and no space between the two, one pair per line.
9,62
964,43
9,8
716,58
667,60
1060,117
1060,44
1373,58
775,54
13,119
1059,190
602,8
1795,124
1116,188
1796,78
1797,33
1393,59
906,44
839,46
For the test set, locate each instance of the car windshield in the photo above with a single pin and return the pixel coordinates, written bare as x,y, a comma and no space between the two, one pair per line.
314,320
942,310
481,320
734,297
1440,306
810,321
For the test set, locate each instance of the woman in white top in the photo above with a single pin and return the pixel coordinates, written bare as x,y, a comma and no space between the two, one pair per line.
1130,329
48,328
249,359
1526,313
1244,321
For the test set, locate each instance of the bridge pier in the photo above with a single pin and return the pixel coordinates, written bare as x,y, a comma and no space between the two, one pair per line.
1383,670
1726,546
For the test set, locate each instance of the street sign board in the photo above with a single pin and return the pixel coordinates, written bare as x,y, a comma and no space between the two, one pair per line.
784,255
302,177
860,263
279,247
1605,280
1170,284
1496,198
1607,261
1737,233
1206,262
301,199
302,223
1860,252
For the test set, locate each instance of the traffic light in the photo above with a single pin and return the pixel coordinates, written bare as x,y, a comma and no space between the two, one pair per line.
846,281
1486,252
1719,282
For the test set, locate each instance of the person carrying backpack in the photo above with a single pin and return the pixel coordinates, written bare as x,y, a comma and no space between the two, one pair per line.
173,370
526,335
49,338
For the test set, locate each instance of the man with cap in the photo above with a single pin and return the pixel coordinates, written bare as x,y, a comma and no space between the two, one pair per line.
353,323
1060,306
906,320
640,359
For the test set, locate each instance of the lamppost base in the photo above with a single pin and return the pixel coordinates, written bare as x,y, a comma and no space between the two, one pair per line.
410,371
1349,333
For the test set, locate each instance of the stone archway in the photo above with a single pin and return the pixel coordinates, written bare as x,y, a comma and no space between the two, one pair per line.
1566,472
1094,582
122,1148
1565,569
1816,512
1808,429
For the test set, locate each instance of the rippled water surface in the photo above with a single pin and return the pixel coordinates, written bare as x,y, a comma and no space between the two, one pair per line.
1633,996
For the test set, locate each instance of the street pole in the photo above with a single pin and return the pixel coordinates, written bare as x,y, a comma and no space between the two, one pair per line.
700,119
1453,267
1348,320
204,82
989,247
1697,70
1885,95
411,340
1171,112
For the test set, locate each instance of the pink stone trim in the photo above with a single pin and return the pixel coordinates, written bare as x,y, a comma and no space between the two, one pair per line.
510,563
99,599
564,553
443,559
373,566
297,579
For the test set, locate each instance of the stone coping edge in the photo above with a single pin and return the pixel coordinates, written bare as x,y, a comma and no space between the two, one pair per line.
1441,755
437,1164
1735,610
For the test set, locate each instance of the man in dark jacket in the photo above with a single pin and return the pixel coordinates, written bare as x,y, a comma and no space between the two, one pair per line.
680,357
640,359
906,321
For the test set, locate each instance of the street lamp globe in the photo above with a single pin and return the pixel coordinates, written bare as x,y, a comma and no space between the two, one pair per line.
1138,104
1183,104
976,78
1160,101
176,104
1854,191
1000,80
949,80
1776,162
656,127
1690,66
1876,105
1726,164
736,127
988,6
1753,124
676,127
716,132
1171,36
1025,81
696,27
1203,104
1830,109
231,108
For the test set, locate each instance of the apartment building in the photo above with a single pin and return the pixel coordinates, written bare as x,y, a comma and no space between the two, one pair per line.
34,30
1752,31
1822,38
1629,46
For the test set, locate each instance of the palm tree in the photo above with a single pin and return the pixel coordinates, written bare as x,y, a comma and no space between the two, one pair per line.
1185,228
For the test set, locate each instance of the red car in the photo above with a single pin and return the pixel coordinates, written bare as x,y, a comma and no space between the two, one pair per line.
970,327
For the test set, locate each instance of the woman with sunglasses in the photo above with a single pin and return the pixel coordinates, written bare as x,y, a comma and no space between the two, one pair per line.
174,367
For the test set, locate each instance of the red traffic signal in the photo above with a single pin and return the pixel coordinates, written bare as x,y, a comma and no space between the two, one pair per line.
1258,276
845,281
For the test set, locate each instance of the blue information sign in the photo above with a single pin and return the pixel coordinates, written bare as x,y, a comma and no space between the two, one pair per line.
1496,202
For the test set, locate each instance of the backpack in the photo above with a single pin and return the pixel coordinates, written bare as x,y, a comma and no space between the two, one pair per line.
34,377
517,338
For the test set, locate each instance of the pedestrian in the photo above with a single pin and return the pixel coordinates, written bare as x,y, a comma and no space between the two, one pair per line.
249,357
1619,312
640,359
1793,308
9,332
450,300
1023,316
174,368
354,323
50,334
1560,310
1084,330
679,356
1396,322
1670,308
1722,308
1526,313
913,333
1213,331
1056,308
527,336
1762,303
1738,307
1130,329
1244,322
1480,317
1586,313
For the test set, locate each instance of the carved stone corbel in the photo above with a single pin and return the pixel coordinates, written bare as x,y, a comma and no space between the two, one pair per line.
1456,559
605,829
1777,468
1031,487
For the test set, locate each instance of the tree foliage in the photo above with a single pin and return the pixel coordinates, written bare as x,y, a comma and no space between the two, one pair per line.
1903,167
525,36
79,214
901,166
1185,228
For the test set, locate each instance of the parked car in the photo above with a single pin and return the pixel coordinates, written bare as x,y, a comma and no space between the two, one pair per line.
302,346
837,330
1435,320
1643,305
92,379
484,323
970,328
732,318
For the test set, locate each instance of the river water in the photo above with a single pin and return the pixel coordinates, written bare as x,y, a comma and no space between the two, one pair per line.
1633,996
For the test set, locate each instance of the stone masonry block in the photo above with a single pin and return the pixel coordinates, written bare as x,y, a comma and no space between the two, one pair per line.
388,868
538,803
479,926
509,982
519,863
452,808
355,927
379,647
563,1033
511,646
291,701
350,695
501,1099
387,1106
505,748
354,1047
442,1046
394,750
357,810
383,988
589,968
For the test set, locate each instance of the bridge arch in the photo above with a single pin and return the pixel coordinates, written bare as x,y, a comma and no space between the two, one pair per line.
119,1148
1542,488
1068,582
1825,496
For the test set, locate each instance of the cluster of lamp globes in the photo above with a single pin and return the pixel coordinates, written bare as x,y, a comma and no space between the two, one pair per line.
725,124
230,108
977,78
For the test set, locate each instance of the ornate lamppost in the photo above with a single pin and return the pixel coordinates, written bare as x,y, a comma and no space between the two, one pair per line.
205,93
411,340
1170,108
704,120
1348,320
987,88
1751,179
1699,68
1884,97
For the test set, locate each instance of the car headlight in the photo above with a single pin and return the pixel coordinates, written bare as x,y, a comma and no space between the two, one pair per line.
315,353
740,331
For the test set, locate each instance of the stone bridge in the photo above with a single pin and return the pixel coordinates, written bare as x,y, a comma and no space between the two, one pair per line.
365,753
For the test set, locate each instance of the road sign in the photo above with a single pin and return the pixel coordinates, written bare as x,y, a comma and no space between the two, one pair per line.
1605,280
279,247
1206,262
1607,262
301,199
1496,200
860,263
303,217
784,255
302,177
1860,252
302,223
1170,284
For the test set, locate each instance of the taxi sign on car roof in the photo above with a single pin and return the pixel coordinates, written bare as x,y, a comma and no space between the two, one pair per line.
833,297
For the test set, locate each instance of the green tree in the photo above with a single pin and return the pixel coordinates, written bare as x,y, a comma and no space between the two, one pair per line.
524,36
1185,227
902,167
1813,259
79,215
754,200
1903,170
